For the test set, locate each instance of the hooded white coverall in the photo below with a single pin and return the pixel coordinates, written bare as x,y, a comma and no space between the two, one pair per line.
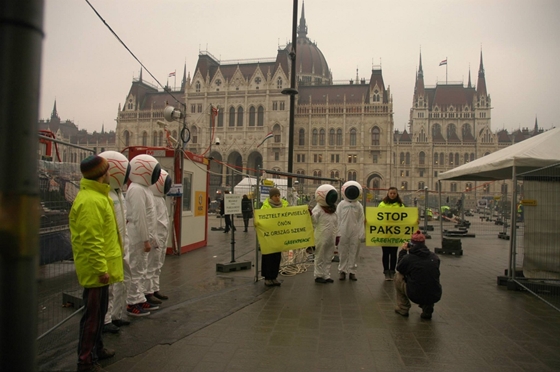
325,226
156,257
117,291
351,232
141,218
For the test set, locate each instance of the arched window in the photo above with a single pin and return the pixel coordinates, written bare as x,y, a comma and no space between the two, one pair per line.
144,138
154,138
260,116
339,137
421,158
314,137
252,116
317,173
466,158
301,137
231,122
421,185
321,137
407,158
450,159
352,176
353,137
331,137
441,159
404,185
194,134
422,136
126,138
401,158
436,130
375,134
472,156
301,179
457,159
279,83
451,131
334,174
161,138
220,117
197,86
240,116
467,132
277,133
436,159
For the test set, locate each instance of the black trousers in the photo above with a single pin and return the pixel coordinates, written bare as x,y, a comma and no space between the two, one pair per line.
90,342
270,265
389,258
227,218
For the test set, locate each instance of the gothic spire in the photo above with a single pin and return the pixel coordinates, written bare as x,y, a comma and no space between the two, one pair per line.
302,28
140,78
184,80
481,83
54,113
420,72
469,85
419,88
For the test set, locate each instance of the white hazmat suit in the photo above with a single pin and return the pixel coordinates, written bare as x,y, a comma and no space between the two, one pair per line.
350,227
325,226
156,257
141,217
119,170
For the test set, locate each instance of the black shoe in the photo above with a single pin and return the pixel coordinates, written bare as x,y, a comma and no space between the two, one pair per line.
401,313
226,231
329,280
342,276
120,322
110,328
245,230
276,283
353,277
387,275
320,280
153,300
269,283
105,353
159,295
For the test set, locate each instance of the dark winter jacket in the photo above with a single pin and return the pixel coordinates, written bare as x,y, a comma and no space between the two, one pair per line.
247,207
420,268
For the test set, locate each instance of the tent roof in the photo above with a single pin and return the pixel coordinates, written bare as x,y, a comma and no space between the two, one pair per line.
533,153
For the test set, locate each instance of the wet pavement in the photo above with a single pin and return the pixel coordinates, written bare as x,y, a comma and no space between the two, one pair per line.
217,321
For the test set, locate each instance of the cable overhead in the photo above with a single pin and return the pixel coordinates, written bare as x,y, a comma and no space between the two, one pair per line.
132,54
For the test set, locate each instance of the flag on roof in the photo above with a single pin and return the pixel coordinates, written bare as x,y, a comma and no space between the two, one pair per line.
269,135
444,62
172,74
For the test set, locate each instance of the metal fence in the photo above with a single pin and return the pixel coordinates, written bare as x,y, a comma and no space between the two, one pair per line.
58,287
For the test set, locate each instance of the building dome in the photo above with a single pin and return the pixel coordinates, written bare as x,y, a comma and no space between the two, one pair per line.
311,65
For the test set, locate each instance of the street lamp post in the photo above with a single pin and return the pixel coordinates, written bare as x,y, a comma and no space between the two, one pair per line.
292,91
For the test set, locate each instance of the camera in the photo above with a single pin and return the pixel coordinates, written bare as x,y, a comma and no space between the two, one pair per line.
217,141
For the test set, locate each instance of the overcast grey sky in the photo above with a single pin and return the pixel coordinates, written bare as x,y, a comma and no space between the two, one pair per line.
89,72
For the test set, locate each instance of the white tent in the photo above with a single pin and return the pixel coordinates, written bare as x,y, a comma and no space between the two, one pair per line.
247,185
533,153
541,235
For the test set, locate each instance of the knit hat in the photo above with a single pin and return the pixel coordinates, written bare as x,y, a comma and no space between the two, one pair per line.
94,167
418,238
273,192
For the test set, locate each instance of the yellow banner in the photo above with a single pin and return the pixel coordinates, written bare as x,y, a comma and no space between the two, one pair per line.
283,229
390,227
201,202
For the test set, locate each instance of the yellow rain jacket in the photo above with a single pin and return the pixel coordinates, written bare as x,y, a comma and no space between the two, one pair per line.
96,243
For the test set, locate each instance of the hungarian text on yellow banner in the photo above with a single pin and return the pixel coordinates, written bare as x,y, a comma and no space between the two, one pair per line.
390,227
283,229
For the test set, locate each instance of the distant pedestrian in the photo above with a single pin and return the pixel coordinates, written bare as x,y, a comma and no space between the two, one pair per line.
97,251
226,217
417,277
389,258
270,263
247,210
